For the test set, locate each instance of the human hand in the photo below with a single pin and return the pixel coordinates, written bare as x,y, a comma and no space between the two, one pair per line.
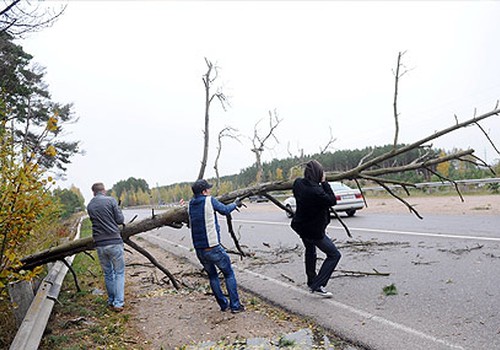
238,202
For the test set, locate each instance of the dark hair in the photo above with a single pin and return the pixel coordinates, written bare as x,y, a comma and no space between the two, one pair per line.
314,171
98,187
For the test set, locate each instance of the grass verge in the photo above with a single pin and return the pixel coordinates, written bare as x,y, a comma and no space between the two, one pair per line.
81,320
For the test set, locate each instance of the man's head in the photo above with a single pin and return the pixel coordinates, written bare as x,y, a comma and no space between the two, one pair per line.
200,185
98,187
314,171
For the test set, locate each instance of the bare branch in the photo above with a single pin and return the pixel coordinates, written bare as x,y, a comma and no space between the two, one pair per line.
404,185
408,205
75,277
365,157
227,132
8,8
395,103
208,81
395,152
444,178
418,165
277,203
152,259
258,142
229,220
487,137
361,190
476,161
479,162
349,273
329,143
20,17
388,181
423,156
346,229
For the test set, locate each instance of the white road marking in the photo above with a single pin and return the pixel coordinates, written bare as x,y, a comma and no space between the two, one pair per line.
361,313
407,233
337,304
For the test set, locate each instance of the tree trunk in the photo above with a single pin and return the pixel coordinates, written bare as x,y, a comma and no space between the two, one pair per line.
170,217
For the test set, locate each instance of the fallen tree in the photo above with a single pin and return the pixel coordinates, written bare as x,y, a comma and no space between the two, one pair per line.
370,169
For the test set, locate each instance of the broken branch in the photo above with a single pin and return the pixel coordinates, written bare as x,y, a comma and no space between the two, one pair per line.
152,259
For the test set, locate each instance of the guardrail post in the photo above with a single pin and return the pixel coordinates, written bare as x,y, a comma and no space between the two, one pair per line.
21,295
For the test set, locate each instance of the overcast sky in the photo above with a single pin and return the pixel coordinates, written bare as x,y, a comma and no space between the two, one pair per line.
133,70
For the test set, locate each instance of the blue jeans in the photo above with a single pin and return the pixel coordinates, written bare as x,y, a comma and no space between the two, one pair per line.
217,257
314,281
113,266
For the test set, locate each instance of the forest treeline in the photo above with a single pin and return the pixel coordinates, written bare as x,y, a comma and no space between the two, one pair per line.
134,191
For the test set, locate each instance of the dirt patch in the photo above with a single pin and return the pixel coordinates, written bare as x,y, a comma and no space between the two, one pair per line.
447,205
164,318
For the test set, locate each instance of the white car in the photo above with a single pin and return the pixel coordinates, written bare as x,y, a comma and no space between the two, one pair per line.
348,200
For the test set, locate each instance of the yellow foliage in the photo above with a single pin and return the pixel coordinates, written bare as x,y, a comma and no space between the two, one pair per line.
51,151
279,174
25,206
443,168
52,124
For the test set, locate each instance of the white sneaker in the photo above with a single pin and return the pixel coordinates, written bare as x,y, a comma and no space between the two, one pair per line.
321,291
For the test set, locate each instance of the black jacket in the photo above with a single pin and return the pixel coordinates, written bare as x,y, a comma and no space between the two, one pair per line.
312,214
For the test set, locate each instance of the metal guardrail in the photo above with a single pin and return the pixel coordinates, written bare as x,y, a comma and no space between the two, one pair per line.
30,332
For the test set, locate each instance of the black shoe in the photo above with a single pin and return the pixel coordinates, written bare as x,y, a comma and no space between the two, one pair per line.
238,310
321,291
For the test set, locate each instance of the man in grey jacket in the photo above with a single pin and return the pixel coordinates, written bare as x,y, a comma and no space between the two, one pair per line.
105,216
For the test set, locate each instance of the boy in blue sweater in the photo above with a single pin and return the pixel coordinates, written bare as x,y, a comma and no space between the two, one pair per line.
205,232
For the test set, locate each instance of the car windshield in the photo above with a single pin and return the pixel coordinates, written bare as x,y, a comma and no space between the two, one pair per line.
339,186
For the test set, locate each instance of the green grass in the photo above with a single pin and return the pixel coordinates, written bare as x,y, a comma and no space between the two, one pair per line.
283,343
98,328
390,290
51,236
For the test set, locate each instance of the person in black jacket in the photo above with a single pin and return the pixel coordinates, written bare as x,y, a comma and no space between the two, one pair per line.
314,197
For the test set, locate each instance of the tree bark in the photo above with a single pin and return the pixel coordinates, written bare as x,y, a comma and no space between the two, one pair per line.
168,218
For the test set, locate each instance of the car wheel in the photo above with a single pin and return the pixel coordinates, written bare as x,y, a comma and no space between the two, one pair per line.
289,214
350,212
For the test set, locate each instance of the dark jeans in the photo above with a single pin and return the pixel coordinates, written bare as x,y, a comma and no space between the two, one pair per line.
320,279
218,258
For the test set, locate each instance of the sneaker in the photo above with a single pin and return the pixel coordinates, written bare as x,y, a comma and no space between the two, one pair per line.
321,291
238,310
117,308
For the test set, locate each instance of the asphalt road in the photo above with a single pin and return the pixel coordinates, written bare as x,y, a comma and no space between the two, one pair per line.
446,270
